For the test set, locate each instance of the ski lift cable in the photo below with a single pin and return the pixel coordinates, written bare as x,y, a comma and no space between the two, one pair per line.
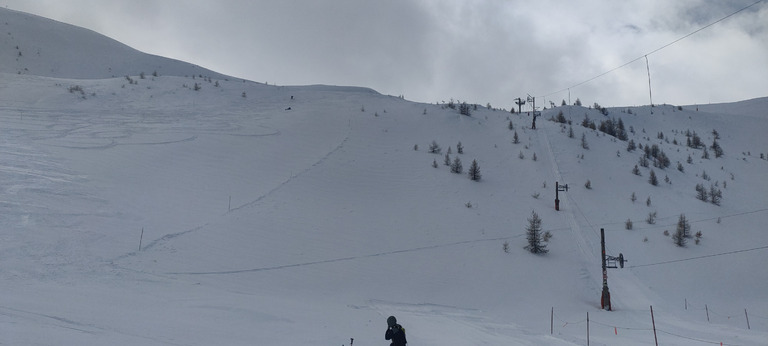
700,257
645,56
692,221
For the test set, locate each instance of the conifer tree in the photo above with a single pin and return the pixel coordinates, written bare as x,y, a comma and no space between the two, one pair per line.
716,148
474,171
652,179
715,195
701,193
684,226
534,235
434,148
456,166
679,239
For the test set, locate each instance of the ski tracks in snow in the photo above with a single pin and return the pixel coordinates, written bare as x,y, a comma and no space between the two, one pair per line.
581,239
300,173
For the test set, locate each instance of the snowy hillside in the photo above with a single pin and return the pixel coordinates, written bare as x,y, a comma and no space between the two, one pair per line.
32,45
186,210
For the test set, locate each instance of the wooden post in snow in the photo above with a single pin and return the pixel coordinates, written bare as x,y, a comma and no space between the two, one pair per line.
141,237
587,328
653,322
706,308
747,316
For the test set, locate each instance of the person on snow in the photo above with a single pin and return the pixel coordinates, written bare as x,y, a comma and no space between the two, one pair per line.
395,332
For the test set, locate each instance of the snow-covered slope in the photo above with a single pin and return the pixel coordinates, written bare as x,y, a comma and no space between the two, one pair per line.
151,213
33,45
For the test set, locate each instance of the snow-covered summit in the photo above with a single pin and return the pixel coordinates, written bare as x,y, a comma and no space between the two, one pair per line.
34,45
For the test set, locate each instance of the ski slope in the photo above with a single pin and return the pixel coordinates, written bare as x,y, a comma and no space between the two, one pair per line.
151,213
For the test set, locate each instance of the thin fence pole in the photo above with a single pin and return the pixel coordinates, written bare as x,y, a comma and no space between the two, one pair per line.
686,303
653,322
747,316
587,328
706,308
141,237
552,321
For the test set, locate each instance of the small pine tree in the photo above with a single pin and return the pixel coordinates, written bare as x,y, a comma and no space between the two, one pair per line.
447,160
474,171
459,148
716,148
561,118
643,161
434,163
464,109
648,202
584,143
588,184
684,226
570,132
511,126
680,167
651,219
534,235
434,148
679,239
515,139
535,158
456,166
633,198
652,179
715,195
628,225
631,145
636,171
701,193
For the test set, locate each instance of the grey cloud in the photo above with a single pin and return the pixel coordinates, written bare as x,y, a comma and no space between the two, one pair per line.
429,50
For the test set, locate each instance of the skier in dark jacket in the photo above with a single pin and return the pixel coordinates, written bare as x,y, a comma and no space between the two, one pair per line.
395,332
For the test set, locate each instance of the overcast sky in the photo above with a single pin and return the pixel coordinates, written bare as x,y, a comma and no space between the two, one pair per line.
479,51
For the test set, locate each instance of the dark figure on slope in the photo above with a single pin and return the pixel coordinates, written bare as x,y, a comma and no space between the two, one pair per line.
395,332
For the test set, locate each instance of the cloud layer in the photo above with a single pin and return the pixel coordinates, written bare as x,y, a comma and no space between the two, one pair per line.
482,51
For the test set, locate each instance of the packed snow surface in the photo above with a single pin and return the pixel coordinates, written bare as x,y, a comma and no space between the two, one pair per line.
184,207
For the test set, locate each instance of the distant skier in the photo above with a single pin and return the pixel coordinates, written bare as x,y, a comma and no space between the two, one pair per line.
395,332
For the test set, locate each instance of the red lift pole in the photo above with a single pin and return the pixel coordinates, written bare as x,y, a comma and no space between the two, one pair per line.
605,300
608,262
